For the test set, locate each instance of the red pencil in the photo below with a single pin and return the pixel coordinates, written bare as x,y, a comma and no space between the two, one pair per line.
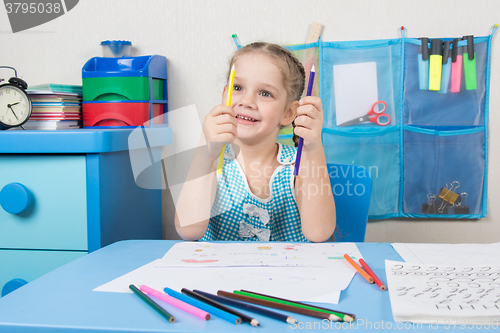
372,274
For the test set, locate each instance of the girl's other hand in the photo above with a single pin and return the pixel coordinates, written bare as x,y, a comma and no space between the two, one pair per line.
309,122
219,127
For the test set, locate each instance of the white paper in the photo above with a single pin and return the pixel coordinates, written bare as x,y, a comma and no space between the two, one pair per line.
315,284
355,88
298,271
450,254
444,294
204,254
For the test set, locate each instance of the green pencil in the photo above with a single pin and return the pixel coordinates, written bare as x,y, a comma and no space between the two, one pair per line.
145,298
341,315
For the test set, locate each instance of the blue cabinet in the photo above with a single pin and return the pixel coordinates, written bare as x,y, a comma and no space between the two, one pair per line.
81,192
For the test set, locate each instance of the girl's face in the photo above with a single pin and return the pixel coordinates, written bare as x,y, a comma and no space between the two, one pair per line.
260,99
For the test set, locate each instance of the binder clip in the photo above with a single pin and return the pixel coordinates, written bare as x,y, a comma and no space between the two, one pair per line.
430,206
459,209
448,197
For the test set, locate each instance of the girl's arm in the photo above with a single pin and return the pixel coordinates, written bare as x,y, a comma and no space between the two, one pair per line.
313,191
193,207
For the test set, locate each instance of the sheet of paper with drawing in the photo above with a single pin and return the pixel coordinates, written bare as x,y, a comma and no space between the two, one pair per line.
322,283
450,254
355,89
204,254
444,294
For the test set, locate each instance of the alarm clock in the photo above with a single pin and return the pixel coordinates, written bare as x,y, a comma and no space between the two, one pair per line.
15,103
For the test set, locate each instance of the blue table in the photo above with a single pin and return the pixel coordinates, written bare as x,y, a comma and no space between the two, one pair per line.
79,194
63,300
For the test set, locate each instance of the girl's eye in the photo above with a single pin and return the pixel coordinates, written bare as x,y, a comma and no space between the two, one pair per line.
266,94
236,87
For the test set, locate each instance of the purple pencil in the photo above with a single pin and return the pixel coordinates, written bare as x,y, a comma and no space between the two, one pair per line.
301,141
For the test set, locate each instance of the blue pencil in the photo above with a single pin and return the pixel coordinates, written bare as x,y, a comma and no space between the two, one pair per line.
301,141
204,306
249,307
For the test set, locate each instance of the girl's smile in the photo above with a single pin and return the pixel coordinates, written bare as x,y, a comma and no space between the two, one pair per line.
246,120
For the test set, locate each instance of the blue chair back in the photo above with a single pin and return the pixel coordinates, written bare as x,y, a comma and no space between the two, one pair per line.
351,187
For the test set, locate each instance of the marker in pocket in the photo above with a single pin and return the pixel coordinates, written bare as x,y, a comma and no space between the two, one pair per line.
446,70
435,64
470,64
456,66
423,64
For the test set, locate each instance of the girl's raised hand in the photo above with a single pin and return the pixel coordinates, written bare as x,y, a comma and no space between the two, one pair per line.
219,127
309,122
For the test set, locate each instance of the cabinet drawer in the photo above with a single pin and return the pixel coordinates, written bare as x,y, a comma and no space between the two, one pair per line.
57,216
29,265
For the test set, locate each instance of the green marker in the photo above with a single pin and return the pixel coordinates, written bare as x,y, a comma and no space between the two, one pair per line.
469,60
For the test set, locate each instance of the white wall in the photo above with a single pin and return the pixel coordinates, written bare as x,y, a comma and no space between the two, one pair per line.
195,36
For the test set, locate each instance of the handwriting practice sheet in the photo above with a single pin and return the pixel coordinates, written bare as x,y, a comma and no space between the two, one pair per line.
450,254
444,294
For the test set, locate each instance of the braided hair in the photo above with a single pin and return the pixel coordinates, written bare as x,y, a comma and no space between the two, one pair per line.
294,75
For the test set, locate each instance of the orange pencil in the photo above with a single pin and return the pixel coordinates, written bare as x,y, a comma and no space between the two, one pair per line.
372,274
359,269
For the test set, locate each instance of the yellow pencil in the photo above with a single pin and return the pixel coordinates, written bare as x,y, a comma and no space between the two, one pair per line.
228,103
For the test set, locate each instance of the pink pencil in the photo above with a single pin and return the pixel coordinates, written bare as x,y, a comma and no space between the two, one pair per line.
175,302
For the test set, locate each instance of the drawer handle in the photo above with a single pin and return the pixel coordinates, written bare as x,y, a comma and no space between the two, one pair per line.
12,285
15,198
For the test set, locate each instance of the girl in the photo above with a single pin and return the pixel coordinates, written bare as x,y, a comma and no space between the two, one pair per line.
257,197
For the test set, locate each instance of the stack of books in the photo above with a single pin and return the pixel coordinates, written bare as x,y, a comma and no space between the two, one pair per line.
55,106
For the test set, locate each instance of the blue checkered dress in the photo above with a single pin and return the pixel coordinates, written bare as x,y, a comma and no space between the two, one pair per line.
233,194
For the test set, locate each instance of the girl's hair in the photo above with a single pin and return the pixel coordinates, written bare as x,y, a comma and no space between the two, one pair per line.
294,75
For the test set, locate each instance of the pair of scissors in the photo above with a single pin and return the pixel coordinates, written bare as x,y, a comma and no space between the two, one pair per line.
374,115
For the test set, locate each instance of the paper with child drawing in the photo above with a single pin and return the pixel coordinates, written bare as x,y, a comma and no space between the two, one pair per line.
205,254
266,273
315,284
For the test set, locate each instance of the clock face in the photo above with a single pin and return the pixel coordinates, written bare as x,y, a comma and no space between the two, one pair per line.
15,106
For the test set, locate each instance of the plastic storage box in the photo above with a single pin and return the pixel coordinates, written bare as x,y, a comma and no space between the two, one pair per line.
126,91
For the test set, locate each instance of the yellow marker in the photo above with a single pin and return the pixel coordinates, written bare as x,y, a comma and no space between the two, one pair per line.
228,103
435,64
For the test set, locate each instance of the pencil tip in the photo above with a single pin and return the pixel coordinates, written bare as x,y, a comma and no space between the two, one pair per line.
291,320
334,318
313,69
254,322
348,318
232,68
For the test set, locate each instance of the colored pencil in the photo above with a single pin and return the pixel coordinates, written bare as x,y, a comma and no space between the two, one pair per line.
280,306
248,307
344,316
359,269
175,302
367,268
204,306
230,87
153,304
301,141
217,303
244,318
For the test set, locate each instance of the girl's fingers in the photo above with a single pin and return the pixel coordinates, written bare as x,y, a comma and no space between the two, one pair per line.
225,119
307,122
312,100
